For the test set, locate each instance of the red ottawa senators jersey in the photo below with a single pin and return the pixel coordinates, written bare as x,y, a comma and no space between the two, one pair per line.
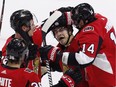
95,45
14,77
37,39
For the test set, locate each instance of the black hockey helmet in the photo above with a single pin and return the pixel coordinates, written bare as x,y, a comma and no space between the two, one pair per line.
20,18
64,20
16,49
84,12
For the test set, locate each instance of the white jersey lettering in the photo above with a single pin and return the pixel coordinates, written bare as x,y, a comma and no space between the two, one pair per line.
6,82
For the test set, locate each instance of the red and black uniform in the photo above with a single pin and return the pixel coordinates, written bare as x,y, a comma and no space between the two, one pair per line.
37,39
14,77
95,45
74,48
24,77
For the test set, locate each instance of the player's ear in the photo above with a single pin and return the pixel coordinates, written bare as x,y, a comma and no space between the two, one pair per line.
24,28
70,32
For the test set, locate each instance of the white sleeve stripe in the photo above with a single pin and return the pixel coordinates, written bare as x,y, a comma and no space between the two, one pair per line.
65,57
80,57
102,63
83,58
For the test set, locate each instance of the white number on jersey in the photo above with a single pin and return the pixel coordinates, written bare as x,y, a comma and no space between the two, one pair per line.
34,84
90,48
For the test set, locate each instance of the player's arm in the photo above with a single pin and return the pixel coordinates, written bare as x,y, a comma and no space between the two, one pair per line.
89,46
84,57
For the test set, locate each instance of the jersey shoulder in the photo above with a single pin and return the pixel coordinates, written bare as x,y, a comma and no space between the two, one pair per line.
37,36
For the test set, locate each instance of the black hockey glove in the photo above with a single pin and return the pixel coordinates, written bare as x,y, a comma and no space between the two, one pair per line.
71,77
33,49
50,53
63,9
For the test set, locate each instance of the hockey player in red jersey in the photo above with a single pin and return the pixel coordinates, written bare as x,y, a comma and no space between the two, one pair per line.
95,43
64,24
22,22
12,75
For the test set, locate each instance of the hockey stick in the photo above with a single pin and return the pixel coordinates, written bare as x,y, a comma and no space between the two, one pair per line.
2,12
45,28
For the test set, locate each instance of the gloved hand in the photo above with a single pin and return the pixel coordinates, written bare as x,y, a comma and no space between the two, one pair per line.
62,9
71,77
50,53
65,9
33,49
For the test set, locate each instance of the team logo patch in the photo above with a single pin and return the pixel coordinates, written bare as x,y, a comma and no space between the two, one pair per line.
28,70
88,28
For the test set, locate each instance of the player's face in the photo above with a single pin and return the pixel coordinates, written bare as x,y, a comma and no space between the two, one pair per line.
32,28
61,35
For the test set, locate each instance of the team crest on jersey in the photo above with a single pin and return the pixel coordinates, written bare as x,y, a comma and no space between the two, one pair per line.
88,28
28,70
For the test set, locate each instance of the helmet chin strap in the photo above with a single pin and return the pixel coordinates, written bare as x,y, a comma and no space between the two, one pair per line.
69,35
25,36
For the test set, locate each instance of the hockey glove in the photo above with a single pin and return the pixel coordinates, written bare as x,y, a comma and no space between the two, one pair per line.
33,49
50,53
62,9
71,77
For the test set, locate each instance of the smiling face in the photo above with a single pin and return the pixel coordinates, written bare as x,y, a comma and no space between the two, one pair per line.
61,34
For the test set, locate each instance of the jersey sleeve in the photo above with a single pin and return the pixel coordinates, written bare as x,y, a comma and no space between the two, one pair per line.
4,47
3,58
37,36
89,43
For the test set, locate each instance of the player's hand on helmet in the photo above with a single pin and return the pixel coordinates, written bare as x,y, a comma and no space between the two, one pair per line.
50,53
71,77
33,49
62,9
65,9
